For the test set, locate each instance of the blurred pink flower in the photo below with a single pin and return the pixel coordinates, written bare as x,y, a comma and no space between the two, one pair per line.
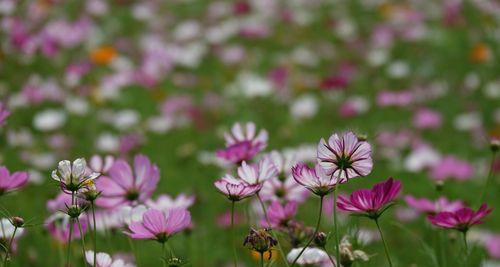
279,215
398,99
493,246
58,226
428,206
451,167
425,118
4,113
371,202
166,203
10,182
124,186
315,179
224,220
286,190
59,203
345,156
461,219
236,189
242,143
159,226
101,164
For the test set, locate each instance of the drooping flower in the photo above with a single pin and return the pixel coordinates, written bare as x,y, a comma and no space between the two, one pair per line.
345,156
124,186
157,225
9,182
428,206
165,202
371,202
257,173
315,179
236,189
461,219
280,215
243,143
73,176
105,260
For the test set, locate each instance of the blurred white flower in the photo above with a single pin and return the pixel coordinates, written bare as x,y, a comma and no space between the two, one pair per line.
49,120
304,107
107,142
129,214
77,106
421,158
250,85
398,69
468,121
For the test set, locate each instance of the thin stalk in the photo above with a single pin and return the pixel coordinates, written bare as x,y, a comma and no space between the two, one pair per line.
163,254
68,259
385,244
262,259
488,179
272,232
314,234
95,232
335,224
82,238
132,248
466,247
7,254
235,256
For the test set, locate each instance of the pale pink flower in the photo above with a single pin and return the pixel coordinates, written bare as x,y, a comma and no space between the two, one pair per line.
257,173
280,215
166,203
284,189
315,179
101,164
157,225
425,118
452,167
428,206
4,113
10,182
235,189
243,143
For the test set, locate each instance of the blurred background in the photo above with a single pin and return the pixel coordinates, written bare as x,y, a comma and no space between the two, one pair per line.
167,78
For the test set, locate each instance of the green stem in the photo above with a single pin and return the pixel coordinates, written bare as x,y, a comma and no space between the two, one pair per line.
82,238
262,259
385,244
314,234
235,256
488,179
7,254
335,224
163,254
272,232
95,232
132,248
466,247
68,259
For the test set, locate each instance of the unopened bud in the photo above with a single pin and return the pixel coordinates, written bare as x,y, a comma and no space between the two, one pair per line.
495,145
320,239
17,222
74,211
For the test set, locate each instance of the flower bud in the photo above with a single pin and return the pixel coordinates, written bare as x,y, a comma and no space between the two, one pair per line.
320,239
17,222
175,262
74,211
495,145
260,240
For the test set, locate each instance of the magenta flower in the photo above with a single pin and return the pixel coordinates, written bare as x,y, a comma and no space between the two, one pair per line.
257,173
428,206
461,219
124,186
243,143
371,202
9,182
236,189
158,226
315,179
280,215
451,167
4,113
345,156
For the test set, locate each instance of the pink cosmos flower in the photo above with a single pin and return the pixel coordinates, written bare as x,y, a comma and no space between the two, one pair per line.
345,156
159,226
461,219
428,206
166,203
284,189
451,167
101,164
243,143
9,182
493,246
105,260
315,179
257,173
236,189
224,219
280,215
124,186
427,119
4,113
371,202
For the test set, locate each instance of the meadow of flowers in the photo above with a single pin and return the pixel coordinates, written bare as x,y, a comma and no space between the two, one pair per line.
249,133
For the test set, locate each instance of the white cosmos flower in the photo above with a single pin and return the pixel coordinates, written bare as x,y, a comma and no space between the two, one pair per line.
7,229
73,175
128,214
49,120
310,256
105,260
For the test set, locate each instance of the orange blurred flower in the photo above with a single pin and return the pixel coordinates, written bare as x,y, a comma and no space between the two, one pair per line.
102,55
480,53
268,255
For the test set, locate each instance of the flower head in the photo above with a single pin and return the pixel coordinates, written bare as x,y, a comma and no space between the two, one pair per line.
9,182
310,257
159,226
279,215
243,143
257,173
345,156
315,179
371,202
260,240
461,219
236,189
73,176
428,206
124,186
105,260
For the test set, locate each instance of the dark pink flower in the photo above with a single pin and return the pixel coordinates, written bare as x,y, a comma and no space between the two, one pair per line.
451,167
159,226
345,156
124,186
280,215
243,143
371,202
236,189
9,182
461,219
315,179
428,206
